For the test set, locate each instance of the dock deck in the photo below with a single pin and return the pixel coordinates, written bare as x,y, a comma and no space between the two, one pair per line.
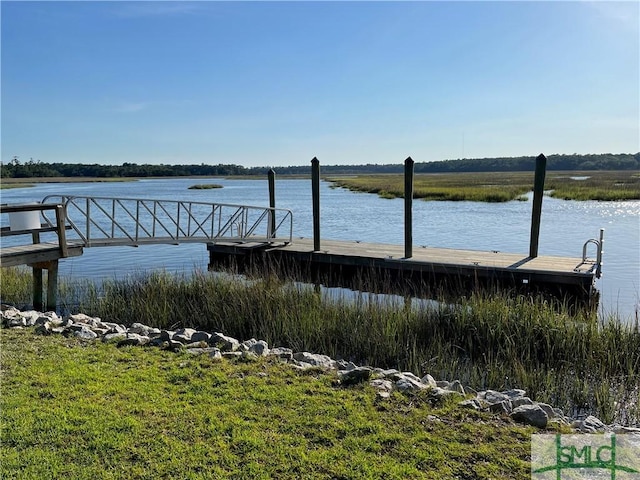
35,253
427,264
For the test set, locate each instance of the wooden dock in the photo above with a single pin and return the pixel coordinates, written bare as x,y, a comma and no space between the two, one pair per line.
340,262
36,254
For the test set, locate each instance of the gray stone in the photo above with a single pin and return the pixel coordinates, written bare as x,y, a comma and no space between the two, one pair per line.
85,333
184,335
412,376
246,345
100,331
381,384
442,394
215,354
166,335
442,383
383,388
115,327
140,329
30,317
548,409
491,396
387,373
43,328
224,343
133,339
260,348
201,344
530,415
201,336
591,424
514,393
471,403
114,337
281,352
172,345
408,384
355,375
456,386
85,319
517,401
429,380
17,322
344,365
315,359
501,407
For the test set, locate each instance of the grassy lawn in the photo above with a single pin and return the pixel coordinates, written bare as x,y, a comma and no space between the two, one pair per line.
499,186
90,410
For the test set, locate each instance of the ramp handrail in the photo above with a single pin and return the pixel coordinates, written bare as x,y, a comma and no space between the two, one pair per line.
110,221
599,251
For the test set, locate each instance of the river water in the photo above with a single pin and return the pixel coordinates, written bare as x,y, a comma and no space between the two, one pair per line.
346,215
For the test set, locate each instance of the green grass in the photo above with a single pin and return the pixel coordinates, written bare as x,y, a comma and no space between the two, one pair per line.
205,186
605,186
571,360
6,186
90,410
499,186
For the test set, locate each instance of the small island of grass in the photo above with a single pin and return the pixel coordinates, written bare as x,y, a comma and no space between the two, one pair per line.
205,186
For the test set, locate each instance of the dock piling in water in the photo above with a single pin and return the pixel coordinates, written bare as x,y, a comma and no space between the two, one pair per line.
315,191
272,200
408,207
538,192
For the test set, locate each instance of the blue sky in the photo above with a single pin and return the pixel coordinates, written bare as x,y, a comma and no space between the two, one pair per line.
277,83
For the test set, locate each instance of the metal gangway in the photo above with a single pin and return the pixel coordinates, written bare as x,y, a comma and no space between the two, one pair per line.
106,221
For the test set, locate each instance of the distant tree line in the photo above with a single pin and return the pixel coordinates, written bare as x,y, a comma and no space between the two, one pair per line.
607,161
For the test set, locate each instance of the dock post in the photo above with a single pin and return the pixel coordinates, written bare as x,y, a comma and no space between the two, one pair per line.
408,207
272,202
37,288
538,192
315,191
52,285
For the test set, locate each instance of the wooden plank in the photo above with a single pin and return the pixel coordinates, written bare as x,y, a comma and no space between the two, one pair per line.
34,253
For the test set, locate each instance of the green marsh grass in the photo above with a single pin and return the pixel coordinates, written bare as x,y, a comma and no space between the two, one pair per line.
499,186
495,341
205,186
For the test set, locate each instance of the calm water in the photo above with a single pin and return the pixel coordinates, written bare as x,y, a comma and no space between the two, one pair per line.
345,215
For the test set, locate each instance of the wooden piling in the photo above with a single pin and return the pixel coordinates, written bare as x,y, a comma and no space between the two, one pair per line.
538,192
272,201
408,207
52,285
38,302
315,191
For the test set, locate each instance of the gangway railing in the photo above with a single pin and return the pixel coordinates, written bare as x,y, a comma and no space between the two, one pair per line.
107,221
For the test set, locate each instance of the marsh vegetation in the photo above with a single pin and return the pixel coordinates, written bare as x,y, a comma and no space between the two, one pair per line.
574,361
499,186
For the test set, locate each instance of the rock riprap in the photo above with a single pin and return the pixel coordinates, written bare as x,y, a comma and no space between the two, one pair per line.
513,403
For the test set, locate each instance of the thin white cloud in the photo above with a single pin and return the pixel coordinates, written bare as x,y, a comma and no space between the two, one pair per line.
130,107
